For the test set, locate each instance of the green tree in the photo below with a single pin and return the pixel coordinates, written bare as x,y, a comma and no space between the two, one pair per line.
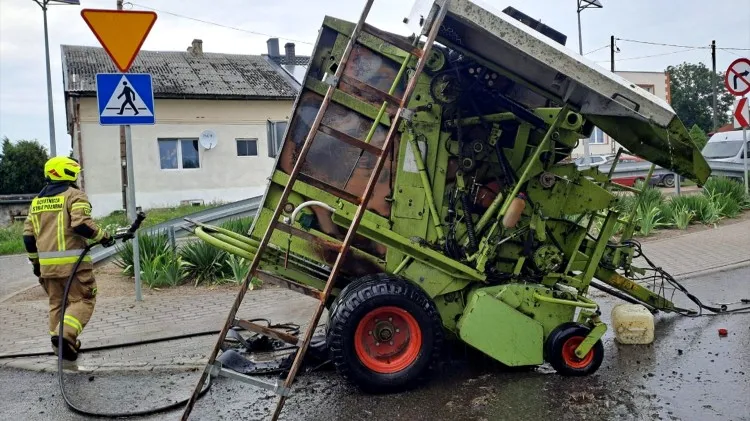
699,136
692,95
22,166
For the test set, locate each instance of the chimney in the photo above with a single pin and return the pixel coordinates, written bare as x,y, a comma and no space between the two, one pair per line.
273,47
289,52
196,47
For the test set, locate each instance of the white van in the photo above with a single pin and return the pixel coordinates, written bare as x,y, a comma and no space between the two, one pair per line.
725,147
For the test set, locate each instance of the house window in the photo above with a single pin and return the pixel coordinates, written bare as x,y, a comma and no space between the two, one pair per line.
648,88
175,154
276,131
597,137
247,147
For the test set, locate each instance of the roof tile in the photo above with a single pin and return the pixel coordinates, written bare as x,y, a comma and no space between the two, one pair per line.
183,75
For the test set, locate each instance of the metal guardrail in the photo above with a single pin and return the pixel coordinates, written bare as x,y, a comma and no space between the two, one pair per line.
634,169
246,207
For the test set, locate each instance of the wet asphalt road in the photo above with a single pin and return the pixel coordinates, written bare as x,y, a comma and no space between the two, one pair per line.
688,373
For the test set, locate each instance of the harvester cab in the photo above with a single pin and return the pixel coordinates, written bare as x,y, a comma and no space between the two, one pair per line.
421,195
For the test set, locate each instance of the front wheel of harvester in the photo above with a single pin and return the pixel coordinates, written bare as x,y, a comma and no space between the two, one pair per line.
384,334
560,349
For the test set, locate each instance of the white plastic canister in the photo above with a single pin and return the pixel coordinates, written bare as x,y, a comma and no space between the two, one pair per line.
633,324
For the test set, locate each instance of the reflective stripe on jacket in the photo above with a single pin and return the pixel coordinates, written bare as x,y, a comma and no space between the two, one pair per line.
59,226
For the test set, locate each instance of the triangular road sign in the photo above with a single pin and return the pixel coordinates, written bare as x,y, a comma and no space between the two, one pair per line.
118,104
121,32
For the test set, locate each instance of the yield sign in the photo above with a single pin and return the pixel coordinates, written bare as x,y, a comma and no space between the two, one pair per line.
741,114
121,32
737,78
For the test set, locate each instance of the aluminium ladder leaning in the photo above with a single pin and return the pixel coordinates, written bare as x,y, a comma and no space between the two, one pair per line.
213,369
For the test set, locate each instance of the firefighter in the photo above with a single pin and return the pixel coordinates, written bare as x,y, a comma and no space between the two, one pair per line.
55,233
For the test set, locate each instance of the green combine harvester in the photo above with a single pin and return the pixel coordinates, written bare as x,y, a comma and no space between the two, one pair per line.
477,230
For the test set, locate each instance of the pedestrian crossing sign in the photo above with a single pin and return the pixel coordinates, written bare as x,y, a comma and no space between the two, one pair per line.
125,98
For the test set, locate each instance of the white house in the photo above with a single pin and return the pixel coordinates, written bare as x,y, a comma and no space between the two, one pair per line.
245,99
656,83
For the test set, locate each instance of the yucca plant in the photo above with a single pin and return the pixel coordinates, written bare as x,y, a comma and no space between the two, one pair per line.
682,216
239,225
204,263
726,186
150,246
649,220
166,270
240,267
726,205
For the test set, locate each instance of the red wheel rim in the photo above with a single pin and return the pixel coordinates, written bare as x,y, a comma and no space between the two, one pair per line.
569,353
387,340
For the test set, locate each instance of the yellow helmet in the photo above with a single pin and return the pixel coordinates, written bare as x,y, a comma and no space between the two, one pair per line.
62,168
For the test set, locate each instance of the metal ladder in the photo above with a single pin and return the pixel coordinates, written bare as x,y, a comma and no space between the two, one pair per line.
283,390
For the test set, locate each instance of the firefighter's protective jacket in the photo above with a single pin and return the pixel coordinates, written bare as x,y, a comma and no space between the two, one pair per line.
56,230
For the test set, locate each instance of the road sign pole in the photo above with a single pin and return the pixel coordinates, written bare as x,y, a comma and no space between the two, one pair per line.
744,140
131,206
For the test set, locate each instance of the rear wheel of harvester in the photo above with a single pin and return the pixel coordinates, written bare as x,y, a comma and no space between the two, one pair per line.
560,351
384,334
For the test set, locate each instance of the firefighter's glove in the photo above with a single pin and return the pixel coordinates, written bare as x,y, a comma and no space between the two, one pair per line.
37,270
108,241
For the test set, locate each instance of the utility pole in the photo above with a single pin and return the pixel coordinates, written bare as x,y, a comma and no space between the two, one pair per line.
128,177
713,81
581,6
612,53
123,156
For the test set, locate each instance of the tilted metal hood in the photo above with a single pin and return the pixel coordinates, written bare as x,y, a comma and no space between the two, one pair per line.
645,124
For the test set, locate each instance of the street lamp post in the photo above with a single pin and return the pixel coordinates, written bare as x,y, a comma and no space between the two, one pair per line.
50,109
582,5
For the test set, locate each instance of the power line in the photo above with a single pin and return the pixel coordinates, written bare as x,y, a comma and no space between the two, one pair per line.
600,48
215,24
652,55
679,46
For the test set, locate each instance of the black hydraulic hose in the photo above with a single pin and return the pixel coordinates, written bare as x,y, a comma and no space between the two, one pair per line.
118,346
60,376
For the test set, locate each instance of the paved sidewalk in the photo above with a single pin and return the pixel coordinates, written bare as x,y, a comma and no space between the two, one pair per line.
122,320
701,251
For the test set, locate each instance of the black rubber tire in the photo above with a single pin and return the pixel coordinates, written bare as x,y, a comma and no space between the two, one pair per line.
668,180
554,350
358,299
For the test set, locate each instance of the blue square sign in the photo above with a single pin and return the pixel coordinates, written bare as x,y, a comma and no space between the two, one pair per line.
125,98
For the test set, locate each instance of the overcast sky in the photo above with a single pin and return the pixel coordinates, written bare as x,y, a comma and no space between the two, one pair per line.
23,97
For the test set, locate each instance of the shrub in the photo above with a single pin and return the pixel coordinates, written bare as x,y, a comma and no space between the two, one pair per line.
649,220
649,198
702,207
725,205
11,239
240,267
682,216
726,186
165,270
239,225
204,262
150,247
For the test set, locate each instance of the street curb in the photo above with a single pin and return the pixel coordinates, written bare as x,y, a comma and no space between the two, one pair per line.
11,295
711,271
49,365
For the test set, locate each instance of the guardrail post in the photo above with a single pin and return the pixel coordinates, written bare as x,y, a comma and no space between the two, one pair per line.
172,238
677,186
